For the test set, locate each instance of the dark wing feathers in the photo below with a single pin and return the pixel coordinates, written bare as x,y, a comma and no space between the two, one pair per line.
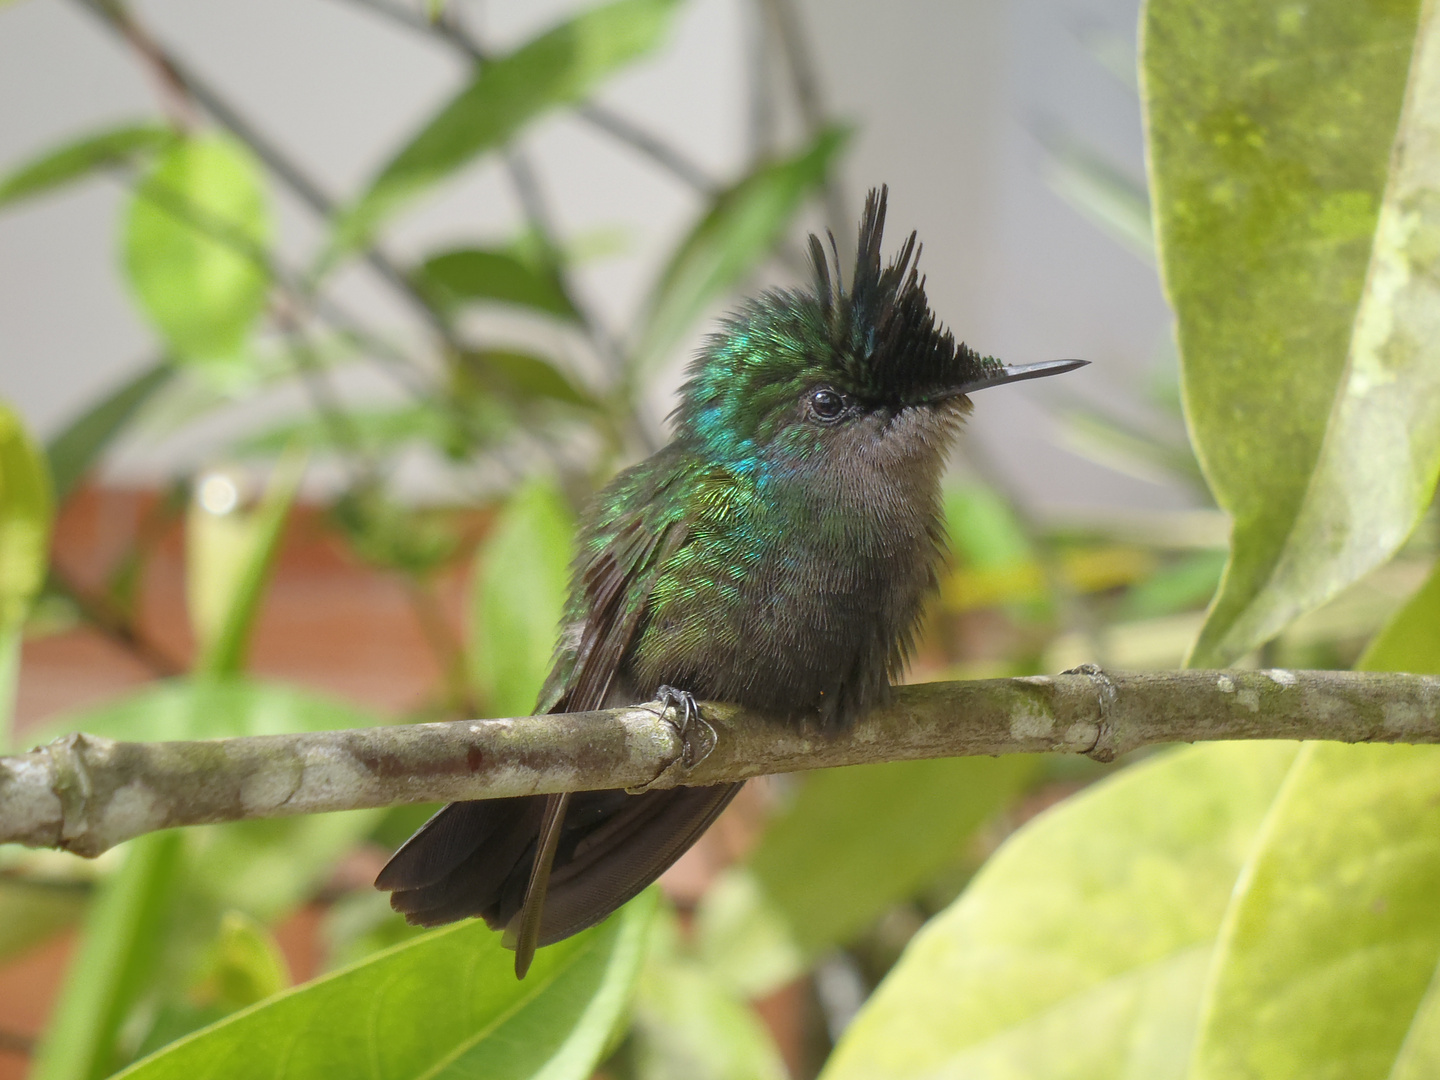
478,858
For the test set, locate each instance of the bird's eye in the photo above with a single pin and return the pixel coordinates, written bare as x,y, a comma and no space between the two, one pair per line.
826,404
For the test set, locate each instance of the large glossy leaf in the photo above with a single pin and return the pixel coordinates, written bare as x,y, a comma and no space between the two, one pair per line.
478,274
26,509
77,448
1080,949
117,957
194,242
445,1005
741,227
1411,640
852,843
1308,383
560,67
1331,943
521,577
78,159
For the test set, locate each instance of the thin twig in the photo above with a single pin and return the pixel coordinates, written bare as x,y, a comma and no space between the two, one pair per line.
86,794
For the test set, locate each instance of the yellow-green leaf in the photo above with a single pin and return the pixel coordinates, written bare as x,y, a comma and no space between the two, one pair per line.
78,159
1302,265
1080,949
1332,940
194,246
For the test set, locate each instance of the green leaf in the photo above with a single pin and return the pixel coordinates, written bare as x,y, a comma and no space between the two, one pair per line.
26,510
78,159
245,964
26,507
229,557
1304,287
560,67
689,1023
522,574
473,274
1411,640
446,1004
523,379
983,528
1080,949
854,842
1332,940
115,962
194,246
78,447
742,227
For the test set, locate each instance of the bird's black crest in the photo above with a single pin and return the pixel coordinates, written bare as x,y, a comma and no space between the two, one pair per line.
883,329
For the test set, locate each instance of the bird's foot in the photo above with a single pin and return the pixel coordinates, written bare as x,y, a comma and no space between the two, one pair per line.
697,737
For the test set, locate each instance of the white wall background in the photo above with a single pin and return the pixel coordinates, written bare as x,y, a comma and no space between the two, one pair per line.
948,97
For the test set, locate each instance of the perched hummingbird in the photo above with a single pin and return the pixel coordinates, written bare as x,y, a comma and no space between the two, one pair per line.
777,553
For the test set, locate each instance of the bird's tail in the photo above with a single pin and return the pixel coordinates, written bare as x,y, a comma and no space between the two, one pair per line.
478,858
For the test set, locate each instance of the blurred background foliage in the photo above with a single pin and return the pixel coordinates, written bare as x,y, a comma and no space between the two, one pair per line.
1107,937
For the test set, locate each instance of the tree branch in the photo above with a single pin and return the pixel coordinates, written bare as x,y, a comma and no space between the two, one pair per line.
86,794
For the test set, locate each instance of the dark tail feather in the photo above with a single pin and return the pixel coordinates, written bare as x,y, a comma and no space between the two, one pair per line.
477,858
528,936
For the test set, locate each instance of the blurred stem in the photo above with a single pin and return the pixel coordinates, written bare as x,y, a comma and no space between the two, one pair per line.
443,643
805,83
13,1042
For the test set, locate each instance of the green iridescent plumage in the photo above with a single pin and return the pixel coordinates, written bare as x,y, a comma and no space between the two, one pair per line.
777,553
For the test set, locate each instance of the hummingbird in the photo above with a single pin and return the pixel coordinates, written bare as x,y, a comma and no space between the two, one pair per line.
776,553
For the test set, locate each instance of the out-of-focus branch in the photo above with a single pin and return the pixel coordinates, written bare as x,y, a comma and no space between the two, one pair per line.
87,794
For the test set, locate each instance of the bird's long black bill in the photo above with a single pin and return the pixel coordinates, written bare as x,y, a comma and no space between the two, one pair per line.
1019,373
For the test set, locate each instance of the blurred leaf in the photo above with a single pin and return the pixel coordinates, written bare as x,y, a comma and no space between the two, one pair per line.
229,558
245,965
742,227
1411,640
194,242
1306,310
472,274
522,574
984,530
690,1024
386,533
1129,451
76,449
360,924
445,1004
522,378
26,510
78,159
853,843
1331,942
1112,201
34,911
1081,948
113,966
560,67
377,430
1186,584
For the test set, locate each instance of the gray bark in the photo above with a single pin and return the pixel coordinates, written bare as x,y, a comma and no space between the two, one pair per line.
86,794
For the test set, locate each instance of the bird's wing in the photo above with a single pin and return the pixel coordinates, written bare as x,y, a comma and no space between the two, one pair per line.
611,589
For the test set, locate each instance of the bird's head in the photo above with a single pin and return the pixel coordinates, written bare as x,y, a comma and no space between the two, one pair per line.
798,375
